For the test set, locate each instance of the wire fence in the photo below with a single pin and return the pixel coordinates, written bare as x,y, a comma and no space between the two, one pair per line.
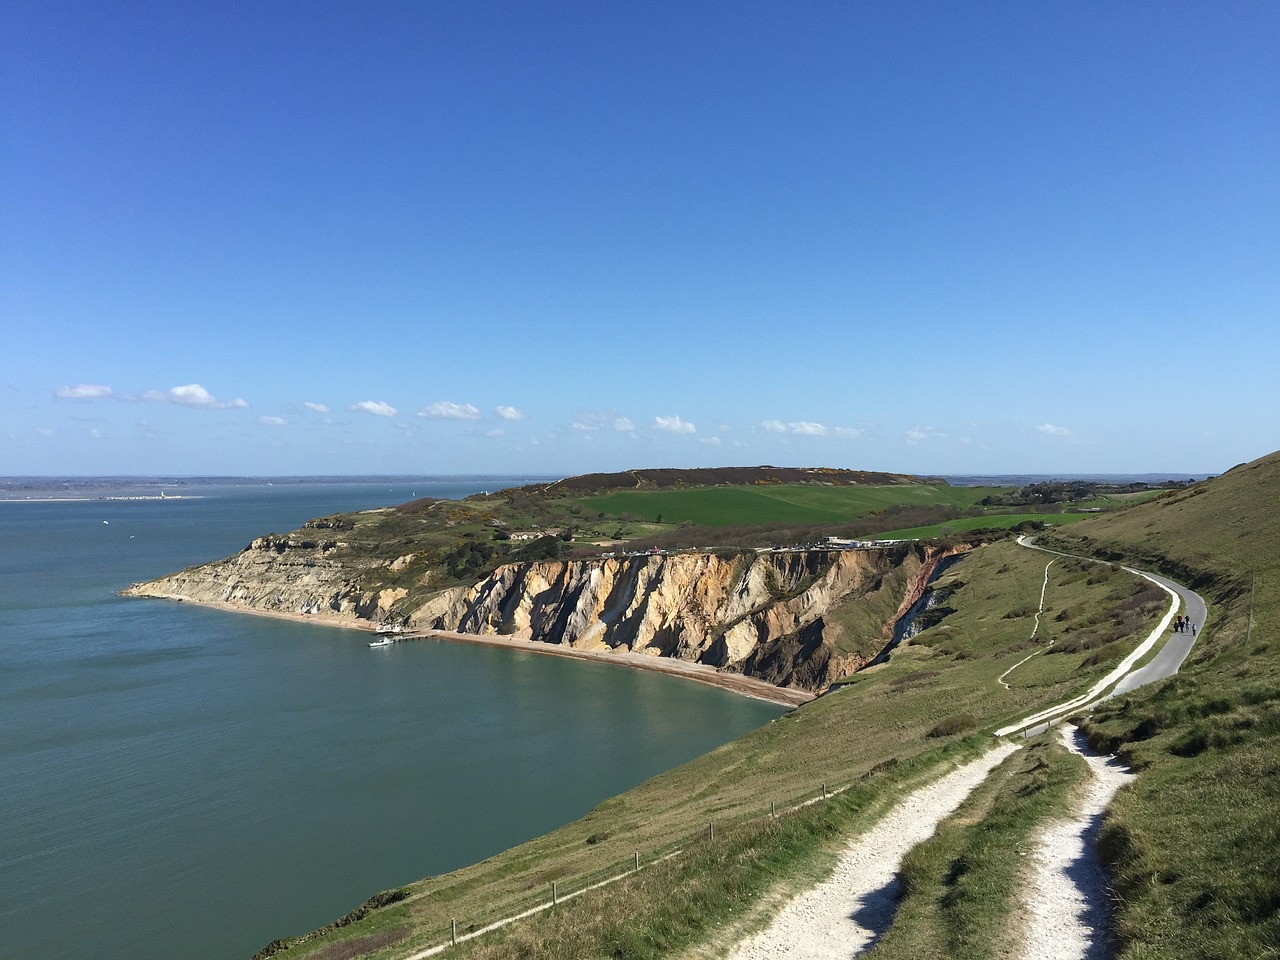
555,892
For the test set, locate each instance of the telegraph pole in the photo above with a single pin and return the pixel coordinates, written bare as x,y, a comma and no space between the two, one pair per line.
1253,586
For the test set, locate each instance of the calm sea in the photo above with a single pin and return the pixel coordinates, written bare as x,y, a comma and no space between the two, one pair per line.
177,782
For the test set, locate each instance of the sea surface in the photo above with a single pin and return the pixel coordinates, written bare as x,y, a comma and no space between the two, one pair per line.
178,782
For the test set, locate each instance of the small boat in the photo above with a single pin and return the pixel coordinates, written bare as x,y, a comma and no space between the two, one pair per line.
382,642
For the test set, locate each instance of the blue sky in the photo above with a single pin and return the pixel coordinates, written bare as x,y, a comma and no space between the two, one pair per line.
315,238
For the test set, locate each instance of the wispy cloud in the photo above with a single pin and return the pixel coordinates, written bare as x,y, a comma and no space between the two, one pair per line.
919,434
510,413
376,407
193,395
272,421
590,420
444,410
315,407
807,428
83,391
710,441
673,425
1053,431
496,433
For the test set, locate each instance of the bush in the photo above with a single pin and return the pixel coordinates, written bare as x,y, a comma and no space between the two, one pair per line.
956,723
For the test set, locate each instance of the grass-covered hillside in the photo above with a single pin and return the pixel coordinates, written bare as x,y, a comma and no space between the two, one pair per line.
1196,842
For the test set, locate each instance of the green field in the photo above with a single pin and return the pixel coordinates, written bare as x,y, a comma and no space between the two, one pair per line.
804,504
993,521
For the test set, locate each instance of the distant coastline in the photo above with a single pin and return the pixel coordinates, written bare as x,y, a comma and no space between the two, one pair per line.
37,499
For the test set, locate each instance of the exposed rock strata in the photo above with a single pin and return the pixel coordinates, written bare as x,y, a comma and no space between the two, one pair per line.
768,615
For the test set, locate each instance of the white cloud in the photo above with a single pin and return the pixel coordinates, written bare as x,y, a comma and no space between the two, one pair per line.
1052,431
674,425
444,410
83,391
46,432
589,420
495,433
193,395
917,434
807,428
272,421
315,407
509,413
710,441
376,407
94,433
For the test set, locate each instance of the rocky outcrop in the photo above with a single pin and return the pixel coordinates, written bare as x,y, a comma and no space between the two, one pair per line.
773,615
282,575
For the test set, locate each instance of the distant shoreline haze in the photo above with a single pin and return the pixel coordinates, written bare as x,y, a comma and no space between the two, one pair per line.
28,487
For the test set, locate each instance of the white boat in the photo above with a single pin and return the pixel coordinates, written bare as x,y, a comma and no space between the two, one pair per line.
382,642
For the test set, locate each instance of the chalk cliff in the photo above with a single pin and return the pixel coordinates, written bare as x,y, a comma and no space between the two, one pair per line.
794,618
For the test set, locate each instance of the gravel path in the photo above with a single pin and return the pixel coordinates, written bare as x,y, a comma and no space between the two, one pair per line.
851,910
1066,902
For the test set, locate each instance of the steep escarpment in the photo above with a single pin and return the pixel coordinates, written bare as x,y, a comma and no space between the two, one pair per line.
801,618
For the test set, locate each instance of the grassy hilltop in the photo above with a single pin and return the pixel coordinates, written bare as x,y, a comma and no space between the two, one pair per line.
1193,843
428,544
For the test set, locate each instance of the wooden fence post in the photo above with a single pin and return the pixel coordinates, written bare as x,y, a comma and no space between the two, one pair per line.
554,899
453,935
637,859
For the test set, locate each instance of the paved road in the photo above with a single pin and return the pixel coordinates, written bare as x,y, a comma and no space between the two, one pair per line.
1176,648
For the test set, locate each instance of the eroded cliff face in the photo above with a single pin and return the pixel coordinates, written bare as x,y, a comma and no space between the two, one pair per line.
768,615
283,575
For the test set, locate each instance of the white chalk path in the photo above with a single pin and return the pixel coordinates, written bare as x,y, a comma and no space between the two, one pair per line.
850,911
1066,902
1035,629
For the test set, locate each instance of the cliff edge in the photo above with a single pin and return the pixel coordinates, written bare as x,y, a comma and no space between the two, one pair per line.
795,618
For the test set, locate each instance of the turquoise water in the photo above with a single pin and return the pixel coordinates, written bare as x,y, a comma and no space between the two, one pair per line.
180,782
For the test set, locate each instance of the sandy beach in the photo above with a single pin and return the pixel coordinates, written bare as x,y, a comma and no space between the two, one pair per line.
735,682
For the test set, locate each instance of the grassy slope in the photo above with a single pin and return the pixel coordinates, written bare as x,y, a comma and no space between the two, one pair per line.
945,679
994,521
1195,841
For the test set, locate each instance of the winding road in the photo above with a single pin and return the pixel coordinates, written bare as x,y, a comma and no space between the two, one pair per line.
1127,676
